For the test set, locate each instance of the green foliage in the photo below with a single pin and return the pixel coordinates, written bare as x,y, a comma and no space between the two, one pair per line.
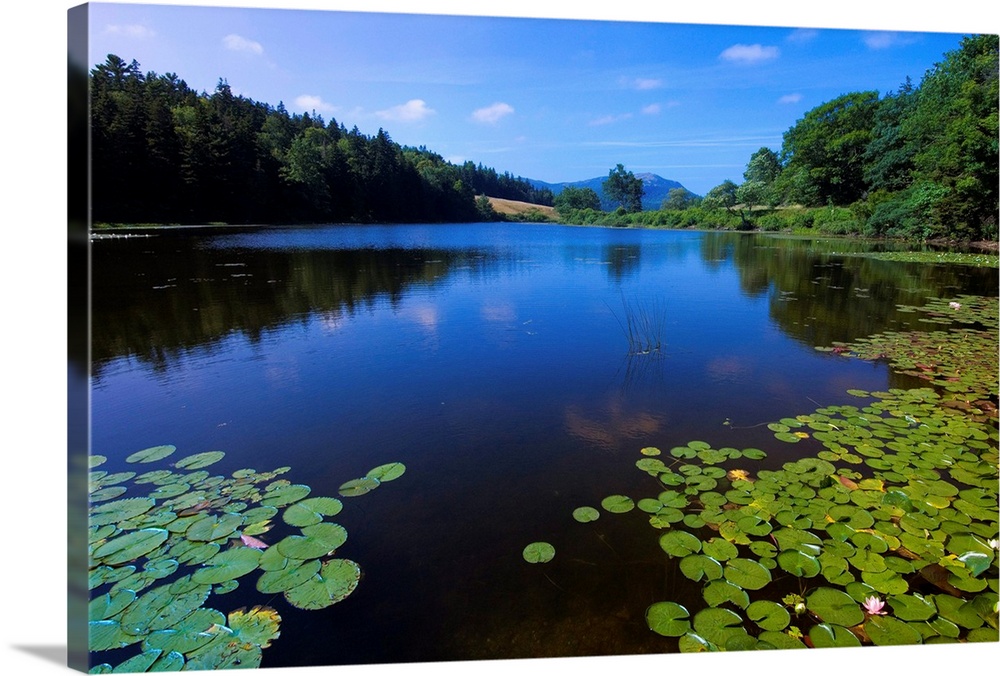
573,198
163,153
890,528
624,188
828,143
156,560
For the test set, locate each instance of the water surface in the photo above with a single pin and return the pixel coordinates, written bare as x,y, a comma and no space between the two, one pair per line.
491,360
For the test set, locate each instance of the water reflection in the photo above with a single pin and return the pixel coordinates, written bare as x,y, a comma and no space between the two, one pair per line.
487,358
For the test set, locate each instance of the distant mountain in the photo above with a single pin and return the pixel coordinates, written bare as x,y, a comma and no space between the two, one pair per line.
655,189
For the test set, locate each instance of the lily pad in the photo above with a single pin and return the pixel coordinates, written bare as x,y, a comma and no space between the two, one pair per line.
311,511
387,472
668,619
697,567
200,460
835,607
747,574
887,630
130,546
151,454
618,504
356,487
768,615
586,514
539,552
832,636
227,565
680,543
316,541
335,582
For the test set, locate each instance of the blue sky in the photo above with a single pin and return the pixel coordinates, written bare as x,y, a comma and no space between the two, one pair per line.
551,99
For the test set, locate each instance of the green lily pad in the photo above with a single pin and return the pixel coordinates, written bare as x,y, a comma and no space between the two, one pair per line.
119,510
130,546
618,504
697,567
718,592
680,543
668,619
799,564
311,511
768,615
316,541
832,636
912,608
747,574
539,552
718,625
356,487
335,582
151,454
213,527
285,494
887,630
227,565
275,581
200,460
720,549
387,472
586,514
835,607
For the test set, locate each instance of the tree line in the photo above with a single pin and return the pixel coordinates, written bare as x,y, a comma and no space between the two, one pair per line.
918,163
164,153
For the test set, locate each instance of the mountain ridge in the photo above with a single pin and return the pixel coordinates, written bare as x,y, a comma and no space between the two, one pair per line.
655,189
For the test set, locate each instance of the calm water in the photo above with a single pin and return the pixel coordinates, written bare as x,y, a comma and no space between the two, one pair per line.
490,360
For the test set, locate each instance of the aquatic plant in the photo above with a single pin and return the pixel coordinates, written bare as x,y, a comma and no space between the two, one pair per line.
886,522
157,559
644,325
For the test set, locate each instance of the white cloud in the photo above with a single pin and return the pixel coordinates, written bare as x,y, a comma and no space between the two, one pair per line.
802,35
749,53
492,114
238,43
885,40
130,30
647,83
309,103
652,109
413,110
609,119
790,98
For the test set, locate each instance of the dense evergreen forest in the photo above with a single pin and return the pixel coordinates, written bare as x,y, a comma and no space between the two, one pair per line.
164,153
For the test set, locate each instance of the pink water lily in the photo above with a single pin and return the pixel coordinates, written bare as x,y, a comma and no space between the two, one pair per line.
954,306
251,541
873,605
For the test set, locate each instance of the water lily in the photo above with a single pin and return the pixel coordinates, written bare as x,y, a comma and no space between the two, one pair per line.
954,306
993,543
873,605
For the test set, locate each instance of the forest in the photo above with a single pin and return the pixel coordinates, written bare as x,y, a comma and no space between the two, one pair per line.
917,164
920,163
164,153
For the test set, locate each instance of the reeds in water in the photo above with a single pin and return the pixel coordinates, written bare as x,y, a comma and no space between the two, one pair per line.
643,323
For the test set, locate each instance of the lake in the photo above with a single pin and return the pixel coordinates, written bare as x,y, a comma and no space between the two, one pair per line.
493,361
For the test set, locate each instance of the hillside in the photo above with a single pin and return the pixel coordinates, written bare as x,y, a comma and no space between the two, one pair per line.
516,209
656,189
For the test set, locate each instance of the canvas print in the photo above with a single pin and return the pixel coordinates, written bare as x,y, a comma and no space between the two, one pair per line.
417,338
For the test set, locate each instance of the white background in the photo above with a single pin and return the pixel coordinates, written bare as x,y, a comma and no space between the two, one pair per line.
32,398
